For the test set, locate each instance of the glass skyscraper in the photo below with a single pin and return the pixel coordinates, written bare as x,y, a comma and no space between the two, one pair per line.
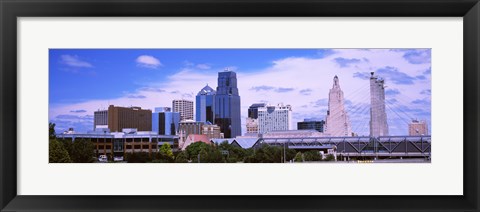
165,122
227,105
204,105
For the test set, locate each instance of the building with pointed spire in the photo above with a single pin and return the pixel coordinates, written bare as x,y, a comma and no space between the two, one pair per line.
337,121
378,115
227,105
204,105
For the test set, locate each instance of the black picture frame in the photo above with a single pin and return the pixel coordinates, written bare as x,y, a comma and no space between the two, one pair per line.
10,10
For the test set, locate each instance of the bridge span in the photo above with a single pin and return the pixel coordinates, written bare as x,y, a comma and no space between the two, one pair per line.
377,147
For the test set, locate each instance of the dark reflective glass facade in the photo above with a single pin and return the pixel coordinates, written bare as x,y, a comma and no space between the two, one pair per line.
227,105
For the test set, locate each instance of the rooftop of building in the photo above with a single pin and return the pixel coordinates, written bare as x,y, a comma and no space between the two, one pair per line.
418,121
313,120
243,142
246,143
106,134
281,104
227,70
128,107
221,140
292,134
162,109
180,100
258,105
198,138
189,121
207,90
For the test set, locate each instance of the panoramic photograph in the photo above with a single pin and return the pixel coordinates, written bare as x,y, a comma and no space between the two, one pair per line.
239,106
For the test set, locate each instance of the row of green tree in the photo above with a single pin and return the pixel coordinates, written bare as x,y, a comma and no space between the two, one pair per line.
200,152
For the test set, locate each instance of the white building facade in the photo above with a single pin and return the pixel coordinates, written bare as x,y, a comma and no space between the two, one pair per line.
184,107
378,115
274,118
337,121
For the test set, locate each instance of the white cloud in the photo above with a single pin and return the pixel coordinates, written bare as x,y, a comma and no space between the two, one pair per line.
74,61
203,66
307,74
148,61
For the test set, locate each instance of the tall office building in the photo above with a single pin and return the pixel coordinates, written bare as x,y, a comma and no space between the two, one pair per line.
378,115
253,110
129,117
274,118
227,105
204,106
311,124
417,127
337,121
164,121
184,107
100,118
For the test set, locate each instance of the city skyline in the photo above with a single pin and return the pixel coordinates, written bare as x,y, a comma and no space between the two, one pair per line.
298,77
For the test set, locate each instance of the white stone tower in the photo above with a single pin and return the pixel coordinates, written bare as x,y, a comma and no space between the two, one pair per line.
337,122
378,115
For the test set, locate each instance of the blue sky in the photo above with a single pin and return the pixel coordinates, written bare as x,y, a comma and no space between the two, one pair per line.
84,80
123,74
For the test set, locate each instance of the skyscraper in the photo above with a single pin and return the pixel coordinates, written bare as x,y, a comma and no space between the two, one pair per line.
274,118
184,107
164,121
227,104
337,121
204,105
378,116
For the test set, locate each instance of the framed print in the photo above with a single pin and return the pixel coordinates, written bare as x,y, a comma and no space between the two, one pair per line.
287,105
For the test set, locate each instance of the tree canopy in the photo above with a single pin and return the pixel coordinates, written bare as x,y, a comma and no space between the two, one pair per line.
206,153
164,154
51,130
312,155
57,153
83,151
